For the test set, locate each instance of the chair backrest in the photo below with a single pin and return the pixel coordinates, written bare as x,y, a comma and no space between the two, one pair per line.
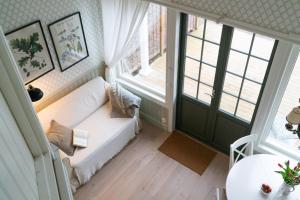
247,144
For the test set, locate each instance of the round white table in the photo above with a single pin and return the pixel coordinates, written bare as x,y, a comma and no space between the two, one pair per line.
247,175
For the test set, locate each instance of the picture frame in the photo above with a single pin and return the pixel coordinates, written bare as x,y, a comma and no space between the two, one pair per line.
30,50
69,41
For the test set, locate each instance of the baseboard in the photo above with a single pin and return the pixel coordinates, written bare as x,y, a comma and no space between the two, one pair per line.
152,120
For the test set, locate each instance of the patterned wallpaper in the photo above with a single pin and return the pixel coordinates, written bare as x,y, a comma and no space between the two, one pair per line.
55,84
16,13
282,16
154,113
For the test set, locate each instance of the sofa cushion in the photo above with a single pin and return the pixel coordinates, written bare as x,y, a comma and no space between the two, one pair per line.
107,136
62,137
76,106
123,101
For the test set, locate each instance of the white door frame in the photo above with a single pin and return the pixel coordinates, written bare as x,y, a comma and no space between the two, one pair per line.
18,100
173,25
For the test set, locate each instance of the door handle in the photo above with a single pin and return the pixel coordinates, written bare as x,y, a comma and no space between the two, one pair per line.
211,95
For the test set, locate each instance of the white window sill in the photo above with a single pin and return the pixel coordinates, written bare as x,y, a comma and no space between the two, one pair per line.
142,90
276,149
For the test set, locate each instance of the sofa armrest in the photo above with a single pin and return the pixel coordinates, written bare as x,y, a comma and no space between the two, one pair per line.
139,124
137,113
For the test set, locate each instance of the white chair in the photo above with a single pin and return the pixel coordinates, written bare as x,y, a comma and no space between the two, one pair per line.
246,150
221,194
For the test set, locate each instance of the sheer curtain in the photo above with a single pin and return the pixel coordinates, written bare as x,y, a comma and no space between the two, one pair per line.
121,22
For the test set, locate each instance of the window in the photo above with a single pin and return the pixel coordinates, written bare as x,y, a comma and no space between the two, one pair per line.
146,65
278,133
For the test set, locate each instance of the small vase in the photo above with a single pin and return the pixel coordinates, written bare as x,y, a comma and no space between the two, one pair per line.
285,188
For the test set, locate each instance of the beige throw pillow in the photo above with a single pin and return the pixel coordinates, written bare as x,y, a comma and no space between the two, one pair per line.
123,101
62,137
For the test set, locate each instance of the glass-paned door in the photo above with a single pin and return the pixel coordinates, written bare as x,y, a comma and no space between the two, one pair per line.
203,42
249,56
223,70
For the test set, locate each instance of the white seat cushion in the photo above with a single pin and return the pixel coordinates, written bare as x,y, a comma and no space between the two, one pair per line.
107,137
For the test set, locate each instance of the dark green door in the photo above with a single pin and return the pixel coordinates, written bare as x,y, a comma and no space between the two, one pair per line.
221,79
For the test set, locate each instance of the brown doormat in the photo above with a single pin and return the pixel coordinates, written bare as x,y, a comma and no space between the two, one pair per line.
187,152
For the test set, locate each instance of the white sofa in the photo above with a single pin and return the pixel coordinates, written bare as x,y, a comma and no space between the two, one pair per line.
88,108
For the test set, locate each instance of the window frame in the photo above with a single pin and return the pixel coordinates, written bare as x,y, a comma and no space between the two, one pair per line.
282,67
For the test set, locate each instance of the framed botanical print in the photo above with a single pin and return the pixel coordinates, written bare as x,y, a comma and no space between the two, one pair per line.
30,50
69,40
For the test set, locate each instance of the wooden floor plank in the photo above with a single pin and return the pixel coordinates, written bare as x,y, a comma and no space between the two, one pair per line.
140,171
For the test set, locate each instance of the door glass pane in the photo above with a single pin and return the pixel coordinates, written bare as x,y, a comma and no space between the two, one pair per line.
202,51
195,26
250,91
213,31
262,46
190,87
205,93
236,62
228,103
210,53
245,110
207,74
191,68
232,84
245,73
256,69
193,47
241,40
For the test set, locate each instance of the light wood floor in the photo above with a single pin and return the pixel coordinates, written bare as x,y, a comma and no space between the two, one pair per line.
141,172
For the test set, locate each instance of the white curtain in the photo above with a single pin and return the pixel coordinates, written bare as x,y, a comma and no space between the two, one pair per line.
121,22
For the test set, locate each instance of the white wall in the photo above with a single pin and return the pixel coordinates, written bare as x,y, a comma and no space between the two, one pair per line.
18,176
154,113
16,13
